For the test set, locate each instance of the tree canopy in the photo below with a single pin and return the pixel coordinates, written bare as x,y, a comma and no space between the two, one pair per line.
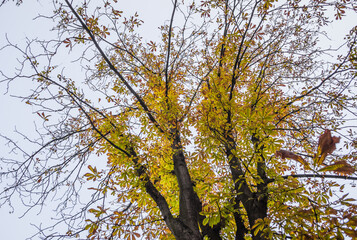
236,123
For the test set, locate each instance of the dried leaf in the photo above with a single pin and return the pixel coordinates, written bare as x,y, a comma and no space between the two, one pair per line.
287,154
327,144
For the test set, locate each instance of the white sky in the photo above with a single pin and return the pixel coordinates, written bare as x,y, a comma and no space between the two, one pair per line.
18,24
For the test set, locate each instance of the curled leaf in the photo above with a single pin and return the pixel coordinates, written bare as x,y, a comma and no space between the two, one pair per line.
327,144
287,154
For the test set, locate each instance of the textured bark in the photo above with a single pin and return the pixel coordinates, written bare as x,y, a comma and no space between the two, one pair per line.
255,203
213,233
181,230
188,199
241,229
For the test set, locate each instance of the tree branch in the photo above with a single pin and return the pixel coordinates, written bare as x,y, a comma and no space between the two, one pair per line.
111,66
168,50
319,176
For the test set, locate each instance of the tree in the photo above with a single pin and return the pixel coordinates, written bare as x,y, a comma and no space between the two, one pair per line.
225,128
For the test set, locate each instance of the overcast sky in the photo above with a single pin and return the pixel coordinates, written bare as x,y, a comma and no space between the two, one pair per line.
17,23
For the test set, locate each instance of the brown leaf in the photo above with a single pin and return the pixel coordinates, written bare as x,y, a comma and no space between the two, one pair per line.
287,154
327,144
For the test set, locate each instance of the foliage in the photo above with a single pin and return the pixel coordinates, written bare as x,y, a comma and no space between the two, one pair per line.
198,128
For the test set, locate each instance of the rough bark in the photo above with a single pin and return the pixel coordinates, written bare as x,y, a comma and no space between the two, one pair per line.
188,199
255,203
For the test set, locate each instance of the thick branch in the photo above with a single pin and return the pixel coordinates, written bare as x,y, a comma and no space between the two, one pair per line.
111,66
189,201
223,47
152,191
319,176
167,79
240,54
